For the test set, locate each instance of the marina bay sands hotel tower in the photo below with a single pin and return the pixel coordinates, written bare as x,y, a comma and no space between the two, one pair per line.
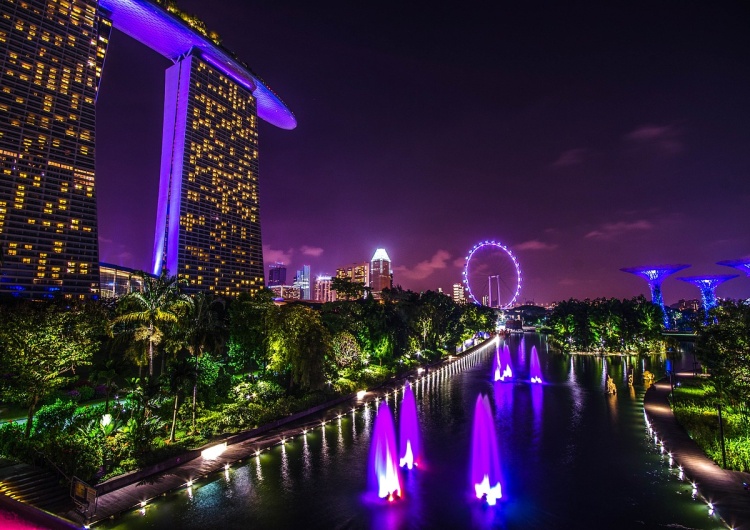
207,224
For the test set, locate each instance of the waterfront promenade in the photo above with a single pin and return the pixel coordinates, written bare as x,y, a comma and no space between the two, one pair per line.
720,487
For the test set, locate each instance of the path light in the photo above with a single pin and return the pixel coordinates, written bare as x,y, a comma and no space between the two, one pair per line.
211,453
304,431
361,394
710,508
189,484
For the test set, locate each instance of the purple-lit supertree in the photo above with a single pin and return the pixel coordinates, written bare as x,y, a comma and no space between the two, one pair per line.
707,286
655,275
739,264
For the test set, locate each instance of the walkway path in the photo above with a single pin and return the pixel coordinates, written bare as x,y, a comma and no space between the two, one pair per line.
720,487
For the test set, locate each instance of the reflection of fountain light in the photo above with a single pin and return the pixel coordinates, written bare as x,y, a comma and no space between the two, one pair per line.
384,474
409,431
536,370
485,462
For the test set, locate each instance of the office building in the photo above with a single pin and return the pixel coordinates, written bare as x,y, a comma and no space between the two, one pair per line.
302,282
276,274
323,292
380,272
117,281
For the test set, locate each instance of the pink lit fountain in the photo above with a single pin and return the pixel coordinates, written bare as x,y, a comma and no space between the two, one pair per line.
503,371
536,370
485,460
411,449
384,473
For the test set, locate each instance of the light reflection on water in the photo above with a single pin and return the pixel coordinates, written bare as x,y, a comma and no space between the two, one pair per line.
572,457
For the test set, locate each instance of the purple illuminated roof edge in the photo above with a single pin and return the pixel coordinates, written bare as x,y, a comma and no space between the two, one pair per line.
166,34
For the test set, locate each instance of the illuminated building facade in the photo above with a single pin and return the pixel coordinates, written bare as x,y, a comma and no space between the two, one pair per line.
302,282
276,274
208,221
357,273
287,292
118,281
323,292
459,295
380,272
51,57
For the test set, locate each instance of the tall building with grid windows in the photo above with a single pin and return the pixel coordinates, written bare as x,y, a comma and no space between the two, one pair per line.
208,222
51,58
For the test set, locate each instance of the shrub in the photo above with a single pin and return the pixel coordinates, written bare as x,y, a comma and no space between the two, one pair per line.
52,419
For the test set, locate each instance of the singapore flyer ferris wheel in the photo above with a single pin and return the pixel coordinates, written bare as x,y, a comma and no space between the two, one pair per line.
492,275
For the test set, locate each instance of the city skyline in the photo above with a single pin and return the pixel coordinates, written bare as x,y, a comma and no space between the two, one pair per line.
586,139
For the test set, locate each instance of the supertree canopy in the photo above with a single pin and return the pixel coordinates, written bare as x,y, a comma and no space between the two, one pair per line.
739,264
707,286
655,275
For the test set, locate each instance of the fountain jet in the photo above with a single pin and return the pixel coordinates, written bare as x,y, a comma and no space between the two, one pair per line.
384,474
503,370
536,370
411,450
485,461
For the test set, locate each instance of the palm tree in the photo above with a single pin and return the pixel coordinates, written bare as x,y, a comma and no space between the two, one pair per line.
158,304
204,330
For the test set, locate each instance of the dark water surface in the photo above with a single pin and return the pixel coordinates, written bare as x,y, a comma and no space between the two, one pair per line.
572,457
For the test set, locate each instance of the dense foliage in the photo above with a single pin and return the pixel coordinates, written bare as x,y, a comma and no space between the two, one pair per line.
723,347
170,371
606,325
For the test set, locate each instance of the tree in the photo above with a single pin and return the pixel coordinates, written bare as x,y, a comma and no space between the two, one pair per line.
346,289
156,306
41,345
204,330
249,322
300,345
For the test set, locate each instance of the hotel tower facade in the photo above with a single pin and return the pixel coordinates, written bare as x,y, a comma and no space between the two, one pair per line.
208,224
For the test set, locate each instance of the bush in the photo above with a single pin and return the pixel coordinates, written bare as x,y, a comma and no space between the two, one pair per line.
86,393
53,419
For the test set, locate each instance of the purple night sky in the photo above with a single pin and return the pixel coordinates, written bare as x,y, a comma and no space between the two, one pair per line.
585,137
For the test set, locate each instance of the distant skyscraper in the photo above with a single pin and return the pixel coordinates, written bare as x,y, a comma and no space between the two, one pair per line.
302,281
277,274
357,273
208,222
380,272
323,291
51,57
459,295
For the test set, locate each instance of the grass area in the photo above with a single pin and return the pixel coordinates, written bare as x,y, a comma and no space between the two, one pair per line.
695,407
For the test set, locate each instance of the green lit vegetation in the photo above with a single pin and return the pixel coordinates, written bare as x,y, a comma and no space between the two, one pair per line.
723,347
606,325
191,20
117,385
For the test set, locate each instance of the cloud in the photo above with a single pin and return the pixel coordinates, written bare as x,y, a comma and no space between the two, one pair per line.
612,230
273,256
571,157
315,252
664,139
423,269
535,244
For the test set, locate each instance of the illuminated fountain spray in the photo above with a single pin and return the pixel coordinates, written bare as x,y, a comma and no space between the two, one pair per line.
536,369
384,474
504,360
411,450
485,461
496,370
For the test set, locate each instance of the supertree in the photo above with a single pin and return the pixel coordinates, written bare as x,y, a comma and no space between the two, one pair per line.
739,264
707,286
655,275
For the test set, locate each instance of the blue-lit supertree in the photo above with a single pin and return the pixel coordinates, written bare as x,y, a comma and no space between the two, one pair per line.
739,264
707,286
655,275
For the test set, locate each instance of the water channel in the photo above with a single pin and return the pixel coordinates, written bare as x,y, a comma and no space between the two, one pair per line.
571,457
